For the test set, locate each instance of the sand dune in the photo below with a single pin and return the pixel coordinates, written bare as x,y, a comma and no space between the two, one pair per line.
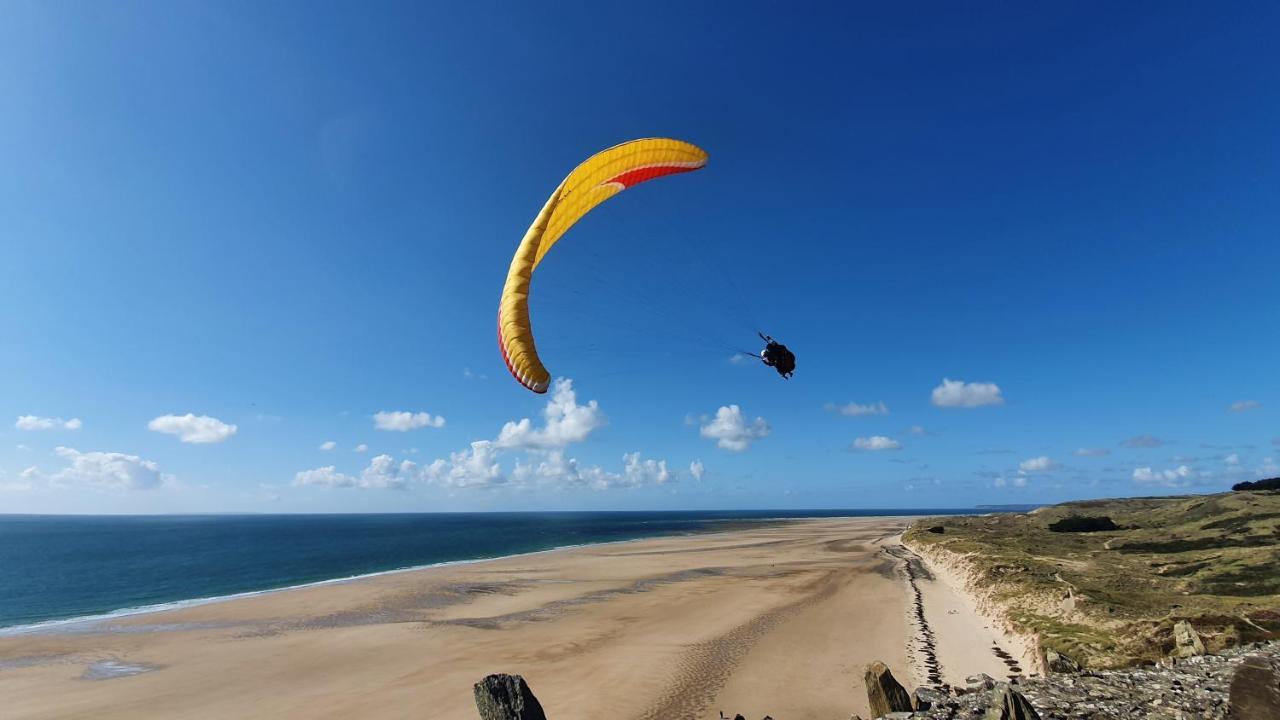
778,619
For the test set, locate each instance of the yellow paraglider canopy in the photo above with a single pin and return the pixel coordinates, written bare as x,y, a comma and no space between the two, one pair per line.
602,176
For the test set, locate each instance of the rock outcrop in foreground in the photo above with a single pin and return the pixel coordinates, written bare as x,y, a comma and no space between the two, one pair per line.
1240,684
884,693
507,697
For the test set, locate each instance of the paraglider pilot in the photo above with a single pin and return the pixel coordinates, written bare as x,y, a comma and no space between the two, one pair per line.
777,356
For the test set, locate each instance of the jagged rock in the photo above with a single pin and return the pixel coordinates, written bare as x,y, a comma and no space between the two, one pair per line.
506,697
924,698
1059,662
904,715
884,693
1194,688
1255,690
1009,704
1187,640
981,681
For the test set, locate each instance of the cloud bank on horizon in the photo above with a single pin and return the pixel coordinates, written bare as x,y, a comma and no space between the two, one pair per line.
525,455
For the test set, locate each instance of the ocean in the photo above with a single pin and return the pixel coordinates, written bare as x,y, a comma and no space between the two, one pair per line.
57,568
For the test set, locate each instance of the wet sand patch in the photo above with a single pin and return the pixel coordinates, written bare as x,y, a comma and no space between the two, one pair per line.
112,669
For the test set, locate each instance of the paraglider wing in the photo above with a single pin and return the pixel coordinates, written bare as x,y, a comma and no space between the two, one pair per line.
602,176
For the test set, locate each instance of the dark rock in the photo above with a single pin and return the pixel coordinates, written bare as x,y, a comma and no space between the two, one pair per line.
1255,690
926,697
1009,704
506,697
1193,688
1059,662
938,529
1187,640
1083,523
884,693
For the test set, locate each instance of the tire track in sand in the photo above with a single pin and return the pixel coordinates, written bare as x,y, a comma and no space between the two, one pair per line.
704,669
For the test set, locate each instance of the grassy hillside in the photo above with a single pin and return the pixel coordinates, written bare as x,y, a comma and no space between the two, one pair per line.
1110,597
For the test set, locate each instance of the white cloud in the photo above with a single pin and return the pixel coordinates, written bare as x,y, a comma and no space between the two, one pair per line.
1037,464
33,422
1177,477
731,430
193,428
877,442
639,472
328,445
1243,406
385,472
854,409
957,393
697,470
470,375
560,472
1143,441
327,476
360,448
1232,459
114,471
917,430
739,359
566,422
401,421
1091,452
476,467
28,479
544,464
1016,481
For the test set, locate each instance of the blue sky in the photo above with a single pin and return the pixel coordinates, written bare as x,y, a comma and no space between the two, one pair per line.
291,217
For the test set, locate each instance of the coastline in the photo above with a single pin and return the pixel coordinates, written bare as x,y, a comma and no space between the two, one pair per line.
954,580
953,636
760,620
65,624
710,524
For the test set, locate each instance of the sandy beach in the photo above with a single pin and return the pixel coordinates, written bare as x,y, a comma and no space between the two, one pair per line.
777,620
